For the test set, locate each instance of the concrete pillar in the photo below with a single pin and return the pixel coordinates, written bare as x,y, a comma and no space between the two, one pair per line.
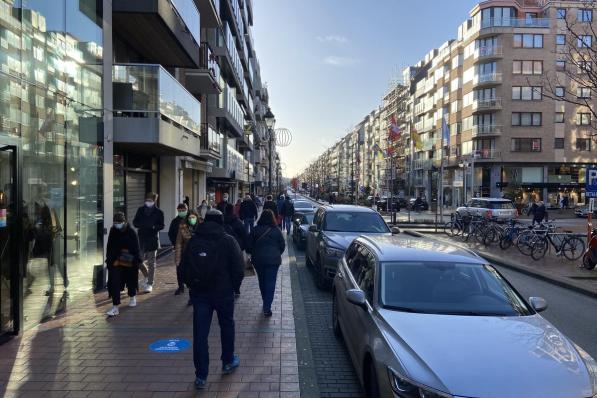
202,186
545,181
494,178
170,186
108,166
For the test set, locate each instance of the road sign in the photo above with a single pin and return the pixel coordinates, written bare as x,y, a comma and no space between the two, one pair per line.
591,182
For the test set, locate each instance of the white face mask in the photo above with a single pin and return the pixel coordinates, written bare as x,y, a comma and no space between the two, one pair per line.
118,225
149,203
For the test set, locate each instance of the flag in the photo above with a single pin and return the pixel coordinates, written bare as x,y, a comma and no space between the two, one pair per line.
445,132
377,151
416,139
390,152
394,131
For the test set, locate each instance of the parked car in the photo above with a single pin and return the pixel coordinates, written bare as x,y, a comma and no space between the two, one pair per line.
424,204
333,229
303,205
397,203
422,318
301,220
501,209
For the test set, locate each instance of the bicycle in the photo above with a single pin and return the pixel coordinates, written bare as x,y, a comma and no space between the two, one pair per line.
455,226
510,234
525,238
565,243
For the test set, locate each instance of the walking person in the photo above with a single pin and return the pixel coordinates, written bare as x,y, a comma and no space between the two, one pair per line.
538,211
202,209
287,213
182,212
212,265
149,221
237,207
234,227
248,213
185,233
222,205
266,245
123,259
280,207
269,204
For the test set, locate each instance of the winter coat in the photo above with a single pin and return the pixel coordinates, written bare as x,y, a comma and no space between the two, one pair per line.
120,239
236,210
149,221
222,207
173,230
288,209
280,205
248,210
266,249
230,268
185,233
271,205
234,227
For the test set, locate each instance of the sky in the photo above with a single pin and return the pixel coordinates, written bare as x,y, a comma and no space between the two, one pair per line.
328,63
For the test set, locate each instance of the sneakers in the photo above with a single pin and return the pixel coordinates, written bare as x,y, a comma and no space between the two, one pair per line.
113,312
200,383
133,301
231,367
148,288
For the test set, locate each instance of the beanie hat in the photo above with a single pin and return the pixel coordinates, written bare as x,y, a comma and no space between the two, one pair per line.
214,216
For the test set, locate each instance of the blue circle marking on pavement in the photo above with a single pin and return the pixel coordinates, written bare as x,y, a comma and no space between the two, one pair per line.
169,345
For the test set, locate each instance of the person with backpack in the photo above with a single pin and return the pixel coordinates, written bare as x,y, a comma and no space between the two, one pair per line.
287,213
123,259
248,212
266,245
212,266
149,221
185,233
234,227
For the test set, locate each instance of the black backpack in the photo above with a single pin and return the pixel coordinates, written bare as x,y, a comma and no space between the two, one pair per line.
200,262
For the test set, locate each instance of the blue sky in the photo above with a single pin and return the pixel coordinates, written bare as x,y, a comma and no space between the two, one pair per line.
329,62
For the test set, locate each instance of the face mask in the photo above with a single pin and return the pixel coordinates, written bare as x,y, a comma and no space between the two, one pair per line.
119,225
149,203
192,220
182,214
225,198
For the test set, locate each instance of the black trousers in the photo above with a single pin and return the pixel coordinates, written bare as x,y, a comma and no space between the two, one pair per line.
119,277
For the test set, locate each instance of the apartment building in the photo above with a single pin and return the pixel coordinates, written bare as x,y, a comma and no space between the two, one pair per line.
102,102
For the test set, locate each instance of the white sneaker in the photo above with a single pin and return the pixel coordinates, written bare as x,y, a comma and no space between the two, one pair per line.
133,301
113,312
148,289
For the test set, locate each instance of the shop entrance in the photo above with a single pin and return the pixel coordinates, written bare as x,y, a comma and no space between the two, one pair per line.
8,242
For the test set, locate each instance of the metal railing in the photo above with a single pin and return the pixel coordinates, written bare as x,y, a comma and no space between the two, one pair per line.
207,60
211,140
487,129
515,23
488,51
493,77
487,103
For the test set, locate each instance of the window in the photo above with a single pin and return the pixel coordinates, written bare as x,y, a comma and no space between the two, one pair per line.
527,67
558,143
583,144
560,40
528,40
526,145
584,41
526,119
527,93
560,64
559,117
583,92
583,119
560,92
584,15
585,66
561,13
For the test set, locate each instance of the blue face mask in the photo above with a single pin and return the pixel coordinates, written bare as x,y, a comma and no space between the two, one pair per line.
119,225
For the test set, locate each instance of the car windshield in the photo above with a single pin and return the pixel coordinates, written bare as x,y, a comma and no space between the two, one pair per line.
365,222
448,288
500,205
301,204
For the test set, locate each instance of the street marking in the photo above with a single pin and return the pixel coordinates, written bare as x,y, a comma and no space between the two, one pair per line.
169,345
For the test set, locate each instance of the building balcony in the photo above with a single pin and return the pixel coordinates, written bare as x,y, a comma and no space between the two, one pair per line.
164,31
222,42
210,13
515,23
211,143
486,52
153,112
422,164
487,154
487,104
234,168
487,130
487,79
226,108
206,79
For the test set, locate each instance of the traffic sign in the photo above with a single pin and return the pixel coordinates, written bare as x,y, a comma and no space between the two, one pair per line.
591,182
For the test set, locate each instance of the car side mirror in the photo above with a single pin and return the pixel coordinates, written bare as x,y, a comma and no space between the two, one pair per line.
539,304
395,230
312,228
356,297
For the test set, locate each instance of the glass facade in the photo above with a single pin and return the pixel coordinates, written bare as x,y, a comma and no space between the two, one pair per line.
51,106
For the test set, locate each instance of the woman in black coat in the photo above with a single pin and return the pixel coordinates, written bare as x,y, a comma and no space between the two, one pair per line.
266,245
123,259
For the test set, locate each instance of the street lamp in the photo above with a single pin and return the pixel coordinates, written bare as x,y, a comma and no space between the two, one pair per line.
270,122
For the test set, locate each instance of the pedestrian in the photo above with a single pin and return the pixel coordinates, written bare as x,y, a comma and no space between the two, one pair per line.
182,212
149,221
222,205
266,245
418,204
185,233
566,200
234,227
287,213
123,259
269,204
202,209
187,201
237,207
212,265
538,211
248,213
280,207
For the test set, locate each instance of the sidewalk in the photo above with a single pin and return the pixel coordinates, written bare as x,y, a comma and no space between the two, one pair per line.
84,354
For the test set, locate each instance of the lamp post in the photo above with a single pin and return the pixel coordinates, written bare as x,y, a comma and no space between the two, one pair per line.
270,122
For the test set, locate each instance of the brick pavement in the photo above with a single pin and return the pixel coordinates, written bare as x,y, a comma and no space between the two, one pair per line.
84,354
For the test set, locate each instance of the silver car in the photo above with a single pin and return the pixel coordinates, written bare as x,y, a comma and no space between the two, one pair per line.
500,209
425,319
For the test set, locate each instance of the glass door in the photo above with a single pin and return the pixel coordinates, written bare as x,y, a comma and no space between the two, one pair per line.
8,253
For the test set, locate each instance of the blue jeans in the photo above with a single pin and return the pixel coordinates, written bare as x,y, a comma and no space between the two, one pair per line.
288,223
203,308
267,275
249,223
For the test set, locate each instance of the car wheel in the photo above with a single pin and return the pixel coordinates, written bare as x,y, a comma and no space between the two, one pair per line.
372,383
335,320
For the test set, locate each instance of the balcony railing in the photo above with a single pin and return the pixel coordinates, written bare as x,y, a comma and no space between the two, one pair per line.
209,61
189,14
487,154
487,103
488,51
145,89
486,130
493,77
211,140
229,102
515,23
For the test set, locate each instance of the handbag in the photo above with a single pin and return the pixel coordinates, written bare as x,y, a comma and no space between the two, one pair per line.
125,259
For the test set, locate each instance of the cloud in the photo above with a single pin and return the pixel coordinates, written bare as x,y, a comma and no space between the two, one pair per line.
336,39
340,61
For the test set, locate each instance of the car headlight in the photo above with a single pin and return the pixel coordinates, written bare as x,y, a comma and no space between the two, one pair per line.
407,388
591,365
334,252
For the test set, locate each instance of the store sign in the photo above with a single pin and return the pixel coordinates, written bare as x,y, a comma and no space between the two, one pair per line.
591,182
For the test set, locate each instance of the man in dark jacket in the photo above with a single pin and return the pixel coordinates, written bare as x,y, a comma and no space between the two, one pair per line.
248,213
183,211
234,227
287,213
218,295
271,205
149,221
222,205
539,212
